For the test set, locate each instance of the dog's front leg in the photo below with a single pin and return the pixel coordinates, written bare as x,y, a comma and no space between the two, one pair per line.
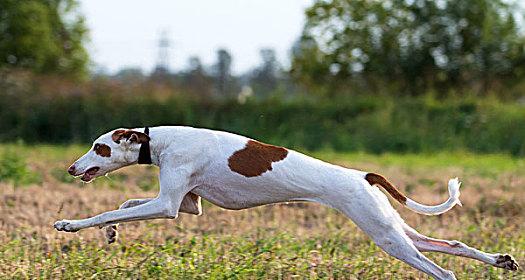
154,209
173,188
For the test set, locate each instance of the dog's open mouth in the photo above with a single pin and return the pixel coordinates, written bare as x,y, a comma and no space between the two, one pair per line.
90,174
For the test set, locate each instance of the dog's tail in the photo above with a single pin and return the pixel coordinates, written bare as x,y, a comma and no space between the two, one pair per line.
453,190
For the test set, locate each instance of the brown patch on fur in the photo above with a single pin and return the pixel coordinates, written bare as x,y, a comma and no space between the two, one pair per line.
102,150
256,158
376,179
132,135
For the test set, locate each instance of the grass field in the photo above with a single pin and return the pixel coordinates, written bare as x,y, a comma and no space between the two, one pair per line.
276,242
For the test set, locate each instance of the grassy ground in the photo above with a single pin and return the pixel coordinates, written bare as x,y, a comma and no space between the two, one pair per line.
279,241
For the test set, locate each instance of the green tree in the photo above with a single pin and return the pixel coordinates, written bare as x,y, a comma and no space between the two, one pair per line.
414,44
265,78
44,36
225,83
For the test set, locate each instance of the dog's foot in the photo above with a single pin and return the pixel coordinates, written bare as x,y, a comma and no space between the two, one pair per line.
111,233
507,262
65,225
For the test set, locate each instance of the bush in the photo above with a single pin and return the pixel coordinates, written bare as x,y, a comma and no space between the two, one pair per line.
374,124
14,169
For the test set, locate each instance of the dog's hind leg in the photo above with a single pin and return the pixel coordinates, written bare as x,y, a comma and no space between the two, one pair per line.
391,238
398,245
453,247
371,211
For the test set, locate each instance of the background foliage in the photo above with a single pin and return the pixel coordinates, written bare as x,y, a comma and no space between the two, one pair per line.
45,36
375,76
372,124
415,45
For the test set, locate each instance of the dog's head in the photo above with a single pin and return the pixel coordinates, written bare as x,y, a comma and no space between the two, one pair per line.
109,152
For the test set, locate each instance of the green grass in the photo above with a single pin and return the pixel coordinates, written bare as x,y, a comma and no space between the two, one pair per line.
482,164
296,241
336,255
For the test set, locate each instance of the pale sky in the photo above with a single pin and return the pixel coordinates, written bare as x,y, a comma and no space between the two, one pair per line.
125,33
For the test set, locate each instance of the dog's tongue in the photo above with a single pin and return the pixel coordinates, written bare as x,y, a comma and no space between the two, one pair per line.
86,177
90,173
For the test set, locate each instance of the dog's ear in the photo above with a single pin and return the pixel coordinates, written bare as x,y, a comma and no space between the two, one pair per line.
130,135
138,137
117,135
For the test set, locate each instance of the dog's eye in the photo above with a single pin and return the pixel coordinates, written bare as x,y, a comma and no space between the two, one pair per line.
96,147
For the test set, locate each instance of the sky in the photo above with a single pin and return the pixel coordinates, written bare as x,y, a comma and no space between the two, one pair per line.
125,33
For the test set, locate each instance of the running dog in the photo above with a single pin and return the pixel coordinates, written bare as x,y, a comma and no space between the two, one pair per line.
235,172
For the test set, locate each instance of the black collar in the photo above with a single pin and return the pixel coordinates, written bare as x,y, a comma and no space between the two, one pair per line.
145,151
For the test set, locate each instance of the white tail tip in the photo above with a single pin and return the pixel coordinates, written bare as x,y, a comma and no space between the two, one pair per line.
453,190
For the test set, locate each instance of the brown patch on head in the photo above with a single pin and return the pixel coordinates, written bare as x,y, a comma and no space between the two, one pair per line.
376,179
132,135
256,158
102,150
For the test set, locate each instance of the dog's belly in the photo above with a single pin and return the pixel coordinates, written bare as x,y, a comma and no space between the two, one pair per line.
242,197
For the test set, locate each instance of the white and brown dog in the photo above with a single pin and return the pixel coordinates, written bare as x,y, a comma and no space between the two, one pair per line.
235,172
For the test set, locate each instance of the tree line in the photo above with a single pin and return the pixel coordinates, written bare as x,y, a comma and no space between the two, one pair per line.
210,82
347,47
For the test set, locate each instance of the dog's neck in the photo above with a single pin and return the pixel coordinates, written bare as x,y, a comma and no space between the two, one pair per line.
144,151
156,146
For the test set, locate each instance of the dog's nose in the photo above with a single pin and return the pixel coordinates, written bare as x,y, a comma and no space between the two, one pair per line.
71,169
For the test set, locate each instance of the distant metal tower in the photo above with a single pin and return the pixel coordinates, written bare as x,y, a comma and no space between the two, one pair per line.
163,56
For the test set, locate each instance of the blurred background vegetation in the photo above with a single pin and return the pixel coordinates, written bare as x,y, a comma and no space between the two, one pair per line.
374,76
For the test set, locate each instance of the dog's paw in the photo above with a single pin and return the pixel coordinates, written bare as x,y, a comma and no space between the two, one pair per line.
111,233
507,262
65,225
